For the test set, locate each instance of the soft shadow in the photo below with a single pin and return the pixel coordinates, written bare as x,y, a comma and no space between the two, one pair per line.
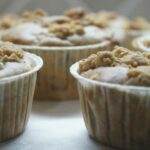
10,141
102,145
56,108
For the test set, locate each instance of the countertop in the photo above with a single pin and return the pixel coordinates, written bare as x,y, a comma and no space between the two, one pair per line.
54,126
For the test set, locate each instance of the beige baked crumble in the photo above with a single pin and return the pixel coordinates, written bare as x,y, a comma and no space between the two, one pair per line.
75,13
147,43
10,53
66,29
7,21
33,15
138,24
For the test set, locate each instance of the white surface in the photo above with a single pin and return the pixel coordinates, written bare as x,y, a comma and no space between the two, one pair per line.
54,126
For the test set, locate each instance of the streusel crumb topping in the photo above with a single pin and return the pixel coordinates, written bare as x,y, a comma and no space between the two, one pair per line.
8,21
119,56
34,15
10,53
75,13
138,24
66,29
147,43
96,20
138,77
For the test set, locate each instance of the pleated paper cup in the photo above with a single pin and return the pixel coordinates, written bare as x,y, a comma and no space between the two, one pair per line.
116,115
16,95
139,43
54,80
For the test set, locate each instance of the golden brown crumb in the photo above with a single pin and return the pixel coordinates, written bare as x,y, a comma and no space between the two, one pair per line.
133,73
119,56
101,19
34,15
138,24
104,58
94,19
66,29
146,54
5,24
88,63
121,51
147,43
9,52
135,60
7,21
75,13
107,15
136,77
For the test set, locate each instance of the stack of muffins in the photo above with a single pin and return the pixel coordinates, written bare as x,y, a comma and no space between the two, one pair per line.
113,81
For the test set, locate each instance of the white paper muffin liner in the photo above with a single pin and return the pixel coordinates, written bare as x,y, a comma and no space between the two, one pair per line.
54,80
16,96
117,115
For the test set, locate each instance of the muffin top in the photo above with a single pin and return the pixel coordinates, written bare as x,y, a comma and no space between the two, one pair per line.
13,60
74,28
101,19
121,66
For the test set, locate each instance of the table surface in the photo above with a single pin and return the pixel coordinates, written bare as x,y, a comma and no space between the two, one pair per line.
54,126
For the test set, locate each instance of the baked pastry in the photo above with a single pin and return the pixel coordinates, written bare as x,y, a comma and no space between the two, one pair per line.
18,71
36,28
114,93
60,41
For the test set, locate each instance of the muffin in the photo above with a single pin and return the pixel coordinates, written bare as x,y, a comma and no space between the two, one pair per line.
114,94
142,43
18,70
135,28
60,41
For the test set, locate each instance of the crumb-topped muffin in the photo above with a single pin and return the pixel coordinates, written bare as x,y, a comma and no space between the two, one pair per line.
37,28
114,93
60,41
13,60
121,66
76,27
18,71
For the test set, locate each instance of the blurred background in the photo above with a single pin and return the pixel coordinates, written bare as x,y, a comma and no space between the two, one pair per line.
129,8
